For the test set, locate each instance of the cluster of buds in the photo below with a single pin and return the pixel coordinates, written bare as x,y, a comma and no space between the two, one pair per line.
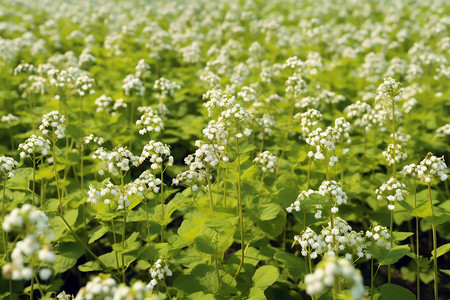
108,193
309,120
218,100
379,236
431,167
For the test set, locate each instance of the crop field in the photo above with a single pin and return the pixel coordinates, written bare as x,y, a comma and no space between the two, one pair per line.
228,149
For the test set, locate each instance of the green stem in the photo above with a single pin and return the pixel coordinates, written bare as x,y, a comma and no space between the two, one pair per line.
32,286
82,167
123,245
41,291
162,205
147,220
433,228
208,178
286,134
371,279
5,246
34,179
217,272
56,175
417,245
79,240
241,218
391,241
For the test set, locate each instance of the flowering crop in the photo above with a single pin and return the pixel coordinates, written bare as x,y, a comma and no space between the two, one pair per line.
224,149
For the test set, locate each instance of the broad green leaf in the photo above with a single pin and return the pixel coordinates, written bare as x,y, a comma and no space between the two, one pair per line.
388,257
391,291
423,210
400,236
441,250
295,265
265,276
97,233
269,212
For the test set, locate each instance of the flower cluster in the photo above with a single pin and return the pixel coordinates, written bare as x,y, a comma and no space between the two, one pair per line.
108,193
394,156
132,85
206,155
295,86
84,85
191,177
379,236
157,153
165,87
309,120
357,111
116,161
335,240
143,69
440,132
388,93
218,100
236,115
9,118
146,181
267,123
94,139
331,190
150,121
158,272
34,145
34,247
298,202
328,270
53,122
392,190
268,161
322,141
7,165
432,167
248,94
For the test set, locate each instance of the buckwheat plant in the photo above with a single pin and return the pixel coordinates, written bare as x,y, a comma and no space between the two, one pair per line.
430,170
165,88
32,256
158,154
35,147
329,272
132,85
266,123
145,183
309,121
392,157
117,162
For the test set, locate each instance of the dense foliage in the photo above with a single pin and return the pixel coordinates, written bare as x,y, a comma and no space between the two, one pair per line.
224,149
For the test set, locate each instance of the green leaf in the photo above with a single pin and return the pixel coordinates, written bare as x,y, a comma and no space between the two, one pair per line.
423,210
389,257
391,291
400,236
75,132
441,250
97,233
265,276
269,212
295,265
